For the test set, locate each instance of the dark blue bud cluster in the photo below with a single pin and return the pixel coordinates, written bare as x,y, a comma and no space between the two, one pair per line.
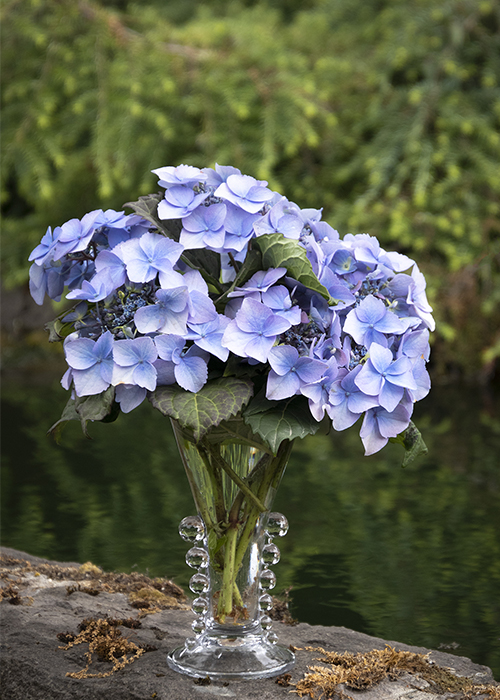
301,337
368,287
358,353
121,312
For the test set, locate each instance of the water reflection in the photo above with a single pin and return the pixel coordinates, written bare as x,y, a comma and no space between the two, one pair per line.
411,555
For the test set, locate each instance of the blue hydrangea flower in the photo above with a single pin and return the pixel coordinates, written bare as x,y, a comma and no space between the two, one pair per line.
260,282
385,377
343,262
372,320
46,279
379,425
369,359
171,176
346,401
322,231
134,360
245,192
281,218
91,363
149,255
204,228
43,251
318,393
129,396
208,336
290,372
239,228
189,364
99,287
76,234
168,315
110,261
219,175
179,201
278,299
417,298
253,331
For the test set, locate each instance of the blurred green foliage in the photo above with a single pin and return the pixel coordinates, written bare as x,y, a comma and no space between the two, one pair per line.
386,114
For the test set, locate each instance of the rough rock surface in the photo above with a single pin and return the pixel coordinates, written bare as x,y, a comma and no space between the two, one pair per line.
34,666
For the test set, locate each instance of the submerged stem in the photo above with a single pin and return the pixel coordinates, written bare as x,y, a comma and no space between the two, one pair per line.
225,605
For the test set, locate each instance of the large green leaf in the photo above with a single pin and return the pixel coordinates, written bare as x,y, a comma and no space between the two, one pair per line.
219,400
277,421
413,442
101,407
278,251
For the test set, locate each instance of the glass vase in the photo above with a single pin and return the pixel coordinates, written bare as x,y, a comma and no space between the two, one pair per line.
233,484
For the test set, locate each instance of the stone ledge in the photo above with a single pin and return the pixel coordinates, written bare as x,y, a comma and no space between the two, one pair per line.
34,666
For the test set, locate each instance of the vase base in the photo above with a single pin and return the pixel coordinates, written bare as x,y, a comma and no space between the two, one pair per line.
224,657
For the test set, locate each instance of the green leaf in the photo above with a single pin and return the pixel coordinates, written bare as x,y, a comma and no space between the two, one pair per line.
69,413
277,421
251,265
54,329
58,330
278,251
101,407
147,207
412,441
218,400
235,430
206,261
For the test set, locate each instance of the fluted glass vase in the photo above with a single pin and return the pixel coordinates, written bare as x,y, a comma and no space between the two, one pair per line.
233,484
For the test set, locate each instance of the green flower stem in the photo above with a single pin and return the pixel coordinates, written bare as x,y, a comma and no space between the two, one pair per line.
199,500
220,462
212,465
238,600
271,478
225,604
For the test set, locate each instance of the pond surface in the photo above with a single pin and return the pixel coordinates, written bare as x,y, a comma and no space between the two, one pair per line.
411,555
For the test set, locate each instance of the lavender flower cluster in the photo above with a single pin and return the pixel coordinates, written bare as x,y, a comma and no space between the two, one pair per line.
144,318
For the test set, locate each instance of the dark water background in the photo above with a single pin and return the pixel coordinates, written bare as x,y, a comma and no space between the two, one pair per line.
411,555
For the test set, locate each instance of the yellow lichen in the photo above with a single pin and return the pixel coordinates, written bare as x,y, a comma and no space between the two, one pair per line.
364,670
107,643
89,568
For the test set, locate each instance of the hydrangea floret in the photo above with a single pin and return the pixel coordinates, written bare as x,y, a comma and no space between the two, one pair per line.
218,286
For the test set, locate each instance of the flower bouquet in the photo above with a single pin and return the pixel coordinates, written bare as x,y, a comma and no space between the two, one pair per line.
247,321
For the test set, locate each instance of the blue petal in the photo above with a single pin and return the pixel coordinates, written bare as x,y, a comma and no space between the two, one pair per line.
191,373
282,387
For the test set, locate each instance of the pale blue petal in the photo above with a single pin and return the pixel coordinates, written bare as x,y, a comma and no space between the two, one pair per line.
145,376
191,373
282,387
80,353
167,345
341,417
282,358
129,396
258,347
390,396
149,318
89,381
369,380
